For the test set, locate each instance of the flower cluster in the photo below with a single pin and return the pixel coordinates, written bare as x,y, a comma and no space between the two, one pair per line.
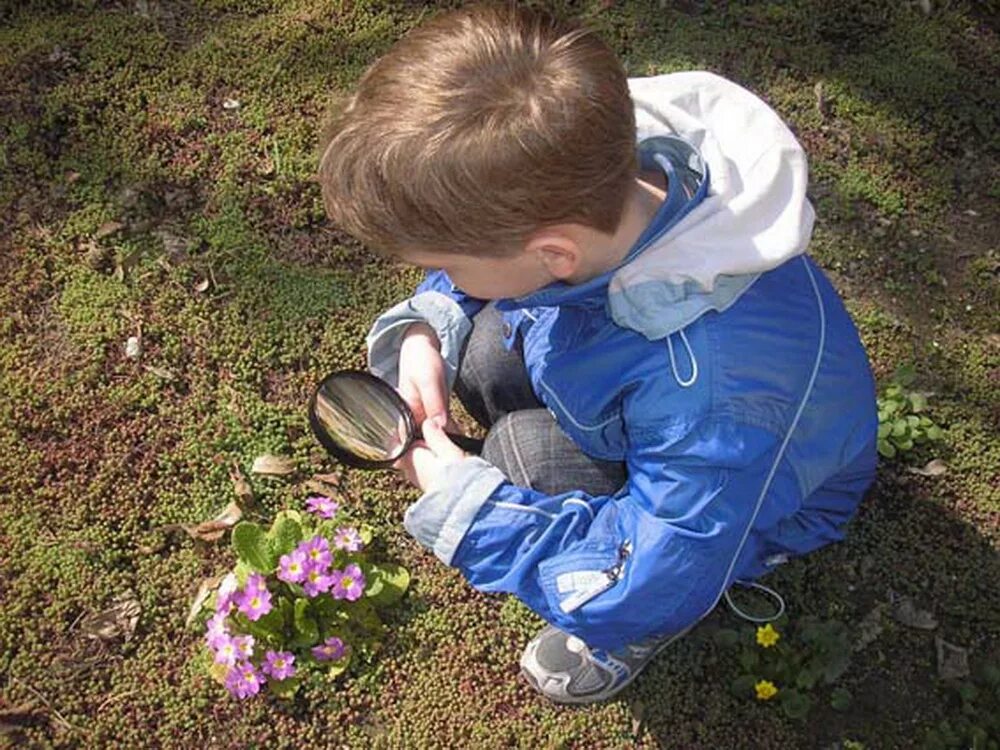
310,565
254,627
236,652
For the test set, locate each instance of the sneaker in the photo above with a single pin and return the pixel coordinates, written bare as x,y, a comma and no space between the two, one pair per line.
566,670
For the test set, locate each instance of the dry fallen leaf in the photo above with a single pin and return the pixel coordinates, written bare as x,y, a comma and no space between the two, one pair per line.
870,628
638,718
244,493
161,372
934,468
205,590
176,246
154,545
905,611
272,465
320,488
209,531
126,264
95,255
331,479
822,105
952,660
107,228
15,718
118,620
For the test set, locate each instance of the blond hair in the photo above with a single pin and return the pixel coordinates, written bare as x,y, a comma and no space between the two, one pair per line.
478,128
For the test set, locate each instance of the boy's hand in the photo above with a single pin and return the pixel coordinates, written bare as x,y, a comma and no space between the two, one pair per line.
424,463
422,381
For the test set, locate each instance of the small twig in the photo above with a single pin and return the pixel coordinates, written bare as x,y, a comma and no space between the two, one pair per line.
113,698
59,717
76,621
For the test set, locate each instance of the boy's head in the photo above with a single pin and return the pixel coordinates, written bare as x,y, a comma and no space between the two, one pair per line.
477,130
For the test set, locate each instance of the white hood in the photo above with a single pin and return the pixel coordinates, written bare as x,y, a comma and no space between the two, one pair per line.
755,216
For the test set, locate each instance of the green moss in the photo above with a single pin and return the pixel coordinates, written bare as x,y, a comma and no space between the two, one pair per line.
124,122
92,306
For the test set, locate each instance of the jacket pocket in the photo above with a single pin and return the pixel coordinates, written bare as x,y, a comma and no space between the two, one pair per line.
572,579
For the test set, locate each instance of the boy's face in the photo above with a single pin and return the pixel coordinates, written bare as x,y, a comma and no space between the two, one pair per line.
488,277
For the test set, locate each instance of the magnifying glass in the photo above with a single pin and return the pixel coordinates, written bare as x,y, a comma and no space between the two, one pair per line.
362,421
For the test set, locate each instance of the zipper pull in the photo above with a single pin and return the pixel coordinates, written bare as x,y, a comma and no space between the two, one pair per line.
601,583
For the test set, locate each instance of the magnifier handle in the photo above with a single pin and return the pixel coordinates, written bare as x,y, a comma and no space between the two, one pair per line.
466,443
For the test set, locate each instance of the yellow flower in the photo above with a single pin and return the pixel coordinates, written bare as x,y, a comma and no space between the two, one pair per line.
765,689
767,636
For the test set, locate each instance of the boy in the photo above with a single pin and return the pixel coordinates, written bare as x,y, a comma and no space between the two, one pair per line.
676,398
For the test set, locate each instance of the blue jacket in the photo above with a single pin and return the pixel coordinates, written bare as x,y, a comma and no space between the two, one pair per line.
744,410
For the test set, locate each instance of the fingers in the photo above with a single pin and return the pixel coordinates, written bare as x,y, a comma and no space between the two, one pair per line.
410,394
439,442
422,381
435,399
423,464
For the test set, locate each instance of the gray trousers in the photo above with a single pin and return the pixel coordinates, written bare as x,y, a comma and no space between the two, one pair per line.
524,441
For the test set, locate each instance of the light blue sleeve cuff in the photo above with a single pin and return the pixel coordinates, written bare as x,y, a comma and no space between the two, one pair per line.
440,518
439,311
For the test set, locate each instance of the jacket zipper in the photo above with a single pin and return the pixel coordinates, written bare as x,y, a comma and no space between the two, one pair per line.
612,575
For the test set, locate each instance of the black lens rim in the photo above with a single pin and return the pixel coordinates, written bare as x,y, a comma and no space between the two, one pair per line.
338,451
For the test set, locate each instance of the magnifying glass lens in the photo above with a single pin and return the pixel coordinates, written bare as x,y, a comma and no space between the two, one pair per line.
362,418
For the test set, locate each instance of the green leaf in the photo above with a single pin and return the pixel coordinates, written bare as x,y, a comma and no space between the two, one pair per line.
242,571
840,699
250,543
271,626
899,427
913,421
749,659
968,692
365,618
742,686
918,402
336,668
795,704
840,660
905,374
306,630
218,672
285,533
366,534
886,449
725,637
387,583
884,430
934,432
807,677
284,689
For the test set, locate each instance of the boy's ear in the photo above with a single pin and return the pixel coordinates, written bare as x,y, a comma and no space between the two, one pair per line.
556,250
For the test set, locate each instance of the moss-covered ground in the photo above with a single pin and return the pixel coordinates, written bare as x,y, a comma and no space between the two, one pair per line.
135,202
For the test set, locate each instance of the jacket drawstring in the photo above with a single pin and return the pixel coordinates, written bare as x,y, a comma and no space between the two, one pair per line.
673,362
760,587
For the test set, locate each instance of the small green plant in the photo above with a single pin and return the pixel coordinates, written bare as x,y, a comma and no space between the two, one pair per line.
974,721
299,604
787,665
901,421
